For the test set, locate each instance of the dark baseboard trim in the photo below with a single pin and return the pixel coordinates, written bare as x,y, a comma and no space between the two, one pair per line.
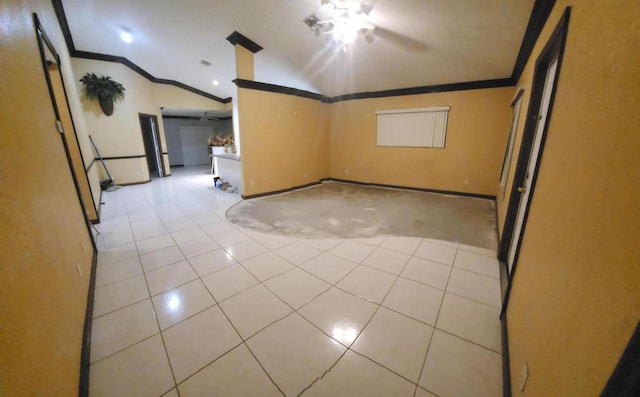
271,193
137,156
417,189
258,86
135,183
85,353
504,280
539,15
91,164
506,369
236,38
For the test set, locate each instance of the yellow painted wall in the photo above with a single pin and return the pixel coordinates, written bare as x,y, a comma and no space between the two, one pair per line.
120,134
575,299
244,63
284,140
43,235
476,138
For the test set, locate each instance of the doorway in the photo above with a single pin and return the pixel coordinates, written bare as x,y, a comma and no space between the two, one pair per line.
526,186
152,145
193,144
66,126
545,78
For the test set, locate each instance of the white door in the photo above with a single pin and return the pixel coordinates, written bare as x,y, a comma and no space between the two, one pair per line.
543,113
194,145
156,147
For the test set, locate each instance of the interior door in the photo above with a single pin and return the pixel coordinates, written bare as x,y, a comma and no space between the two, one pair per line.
152,146
525,186
194,145
66,127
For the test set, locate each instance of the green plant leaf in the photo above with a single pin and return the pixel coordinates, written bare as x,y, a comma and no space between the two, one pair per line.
102,86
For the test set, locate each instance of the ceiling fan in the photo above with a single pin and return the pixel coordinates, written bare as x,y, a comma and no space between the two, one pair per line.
345,19
205,117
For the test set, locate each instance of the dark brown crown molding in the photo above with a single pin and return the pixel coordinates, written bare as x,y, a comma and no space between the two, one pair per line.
472,85
194,118
428,89
236,38
539,15
66,32
258,86
537,20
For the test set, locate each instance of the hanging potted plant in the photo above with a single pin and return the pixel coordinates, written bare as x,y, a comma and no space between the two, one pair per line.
106,90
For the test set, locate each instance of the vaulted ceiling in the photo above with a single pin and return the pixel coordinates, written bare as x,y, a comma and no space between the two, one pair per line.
417,42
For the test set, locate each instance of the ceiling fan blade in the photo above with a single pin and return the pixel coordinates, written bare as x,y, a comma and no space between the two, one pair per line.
400,40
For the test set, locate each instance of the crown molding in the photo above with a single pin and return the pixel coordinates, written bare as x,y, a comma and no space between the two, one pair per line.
66,32
237,38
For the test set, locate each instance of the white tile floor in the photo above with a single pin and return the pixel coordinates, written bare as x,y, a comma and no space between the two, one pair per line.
187,304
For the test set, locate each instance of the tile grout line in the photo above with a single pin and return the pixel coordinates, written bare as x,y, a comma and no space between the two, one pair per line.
299,266
350,346
294,310
164,345
242,339
424,362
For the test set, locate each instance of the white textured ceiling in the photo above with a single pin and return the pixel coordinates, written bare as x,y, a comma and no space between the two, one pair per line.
419,43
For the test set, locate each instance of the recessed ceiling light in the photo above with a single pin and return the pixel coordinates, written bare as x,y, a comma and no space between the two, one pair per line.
126,36
215,82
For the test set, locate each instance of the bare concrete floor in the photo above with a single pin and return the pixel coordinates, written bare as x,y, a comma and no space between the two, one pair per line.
345,210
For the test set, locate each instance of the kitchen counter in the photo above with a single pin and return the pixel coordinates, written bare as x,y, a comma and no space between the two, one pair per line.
229,156
228,167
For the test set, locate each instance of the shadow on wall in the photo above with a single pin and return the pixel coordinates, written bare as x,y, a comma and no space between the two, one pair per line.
91,106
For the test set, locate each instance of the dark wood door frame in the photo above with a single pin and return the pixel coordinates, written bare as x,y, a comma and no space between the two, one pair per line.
68,137
553,49
160,152
43,40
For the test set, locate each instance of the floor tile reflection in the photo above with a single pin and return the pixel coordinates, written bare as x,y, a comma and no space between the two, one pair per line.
187,303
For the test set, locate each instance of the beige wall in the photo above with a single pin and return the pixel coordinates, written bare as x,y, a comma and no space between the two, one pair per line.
43,236
476,138
575,299
284,140
120,134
